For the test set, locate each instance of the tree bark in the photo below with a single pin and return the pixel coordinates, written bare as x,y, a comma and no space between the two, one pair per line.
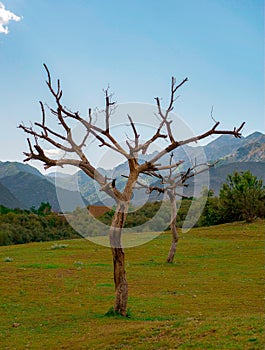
174,232
121,285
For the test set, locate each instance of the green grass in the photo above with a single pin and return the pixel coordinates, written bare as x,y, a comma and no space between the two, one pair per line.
212,297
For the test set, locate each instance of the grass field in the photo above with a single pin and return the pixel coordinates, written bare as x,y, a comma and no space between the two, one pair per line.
212,297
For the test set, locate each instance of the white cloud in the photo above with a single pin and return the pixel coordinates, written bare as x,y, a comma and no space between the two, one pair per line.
53,152
5,17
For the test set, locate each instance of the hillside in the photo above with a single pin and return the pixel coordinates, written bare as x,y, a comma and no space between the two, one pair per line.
253,149
30,187
245,149
7,199
219,174
13,168
221,147
31,190
247,153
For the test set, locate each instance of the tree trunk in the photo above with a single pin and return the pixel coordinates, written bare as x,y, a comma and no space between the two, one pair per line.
121,285
174,232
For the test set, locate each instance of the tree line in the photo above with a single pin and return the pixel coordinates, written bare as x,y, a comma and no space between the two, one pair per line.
19,226
242,197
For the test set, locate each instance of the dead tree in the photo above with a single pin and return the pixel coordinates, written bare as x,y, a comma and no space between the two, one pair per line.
169,184
64,140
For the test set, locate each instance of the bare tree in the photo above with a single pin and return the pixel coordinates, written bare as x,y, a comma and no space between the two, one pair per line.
173,182
169,184
65,141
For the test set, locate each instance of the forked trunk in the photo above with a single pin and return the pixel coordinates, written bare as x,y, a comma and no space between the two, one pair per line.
174,232
121,285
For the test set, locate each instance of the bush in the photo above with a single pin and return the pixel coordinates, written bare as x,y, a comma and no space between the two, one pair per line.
242,197
23,226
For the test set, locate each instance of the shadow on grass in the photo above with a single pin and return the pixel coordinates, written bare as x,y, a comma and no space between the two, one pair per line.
111,313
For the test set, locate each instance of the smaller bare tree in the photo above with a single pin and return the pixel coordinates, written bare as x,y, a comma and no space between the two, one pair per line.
169,183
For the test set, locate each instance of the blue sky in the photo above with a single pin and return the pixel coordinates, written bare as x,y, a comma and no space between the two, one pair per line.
135,46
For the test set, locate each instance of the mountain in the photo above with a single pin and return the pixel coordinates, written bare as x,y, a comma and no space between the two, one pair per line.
246,153
219,174
251,149
244,149
13,168
24,186
30,190
78,182
7,199
90,189
221,147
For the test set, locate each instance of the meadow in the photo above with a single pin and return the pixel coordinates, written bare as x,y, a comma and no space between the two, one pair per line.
56,295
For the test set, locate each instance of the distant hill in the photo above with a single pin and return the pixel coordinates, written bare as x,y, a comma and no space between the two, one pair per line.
221,147
248,152
7,199
252,149
245,149
219,174
91,190
32,189
79,182
13,168
29,187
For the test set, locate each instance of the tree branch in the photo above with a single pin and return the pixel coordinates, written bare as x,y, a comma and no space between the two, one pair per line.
235,132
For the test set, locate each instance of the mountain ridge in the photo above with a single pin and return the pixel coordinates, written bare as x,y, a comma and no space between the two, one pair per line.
7,199
30,190
30,187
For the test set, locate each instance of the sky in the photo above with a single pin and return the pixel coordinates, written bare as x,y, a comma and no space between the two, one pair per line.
135,47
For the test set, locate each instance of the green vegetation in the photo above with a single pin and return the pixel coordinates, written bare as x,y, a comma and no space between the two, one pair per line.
212,297
242,197
22,226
